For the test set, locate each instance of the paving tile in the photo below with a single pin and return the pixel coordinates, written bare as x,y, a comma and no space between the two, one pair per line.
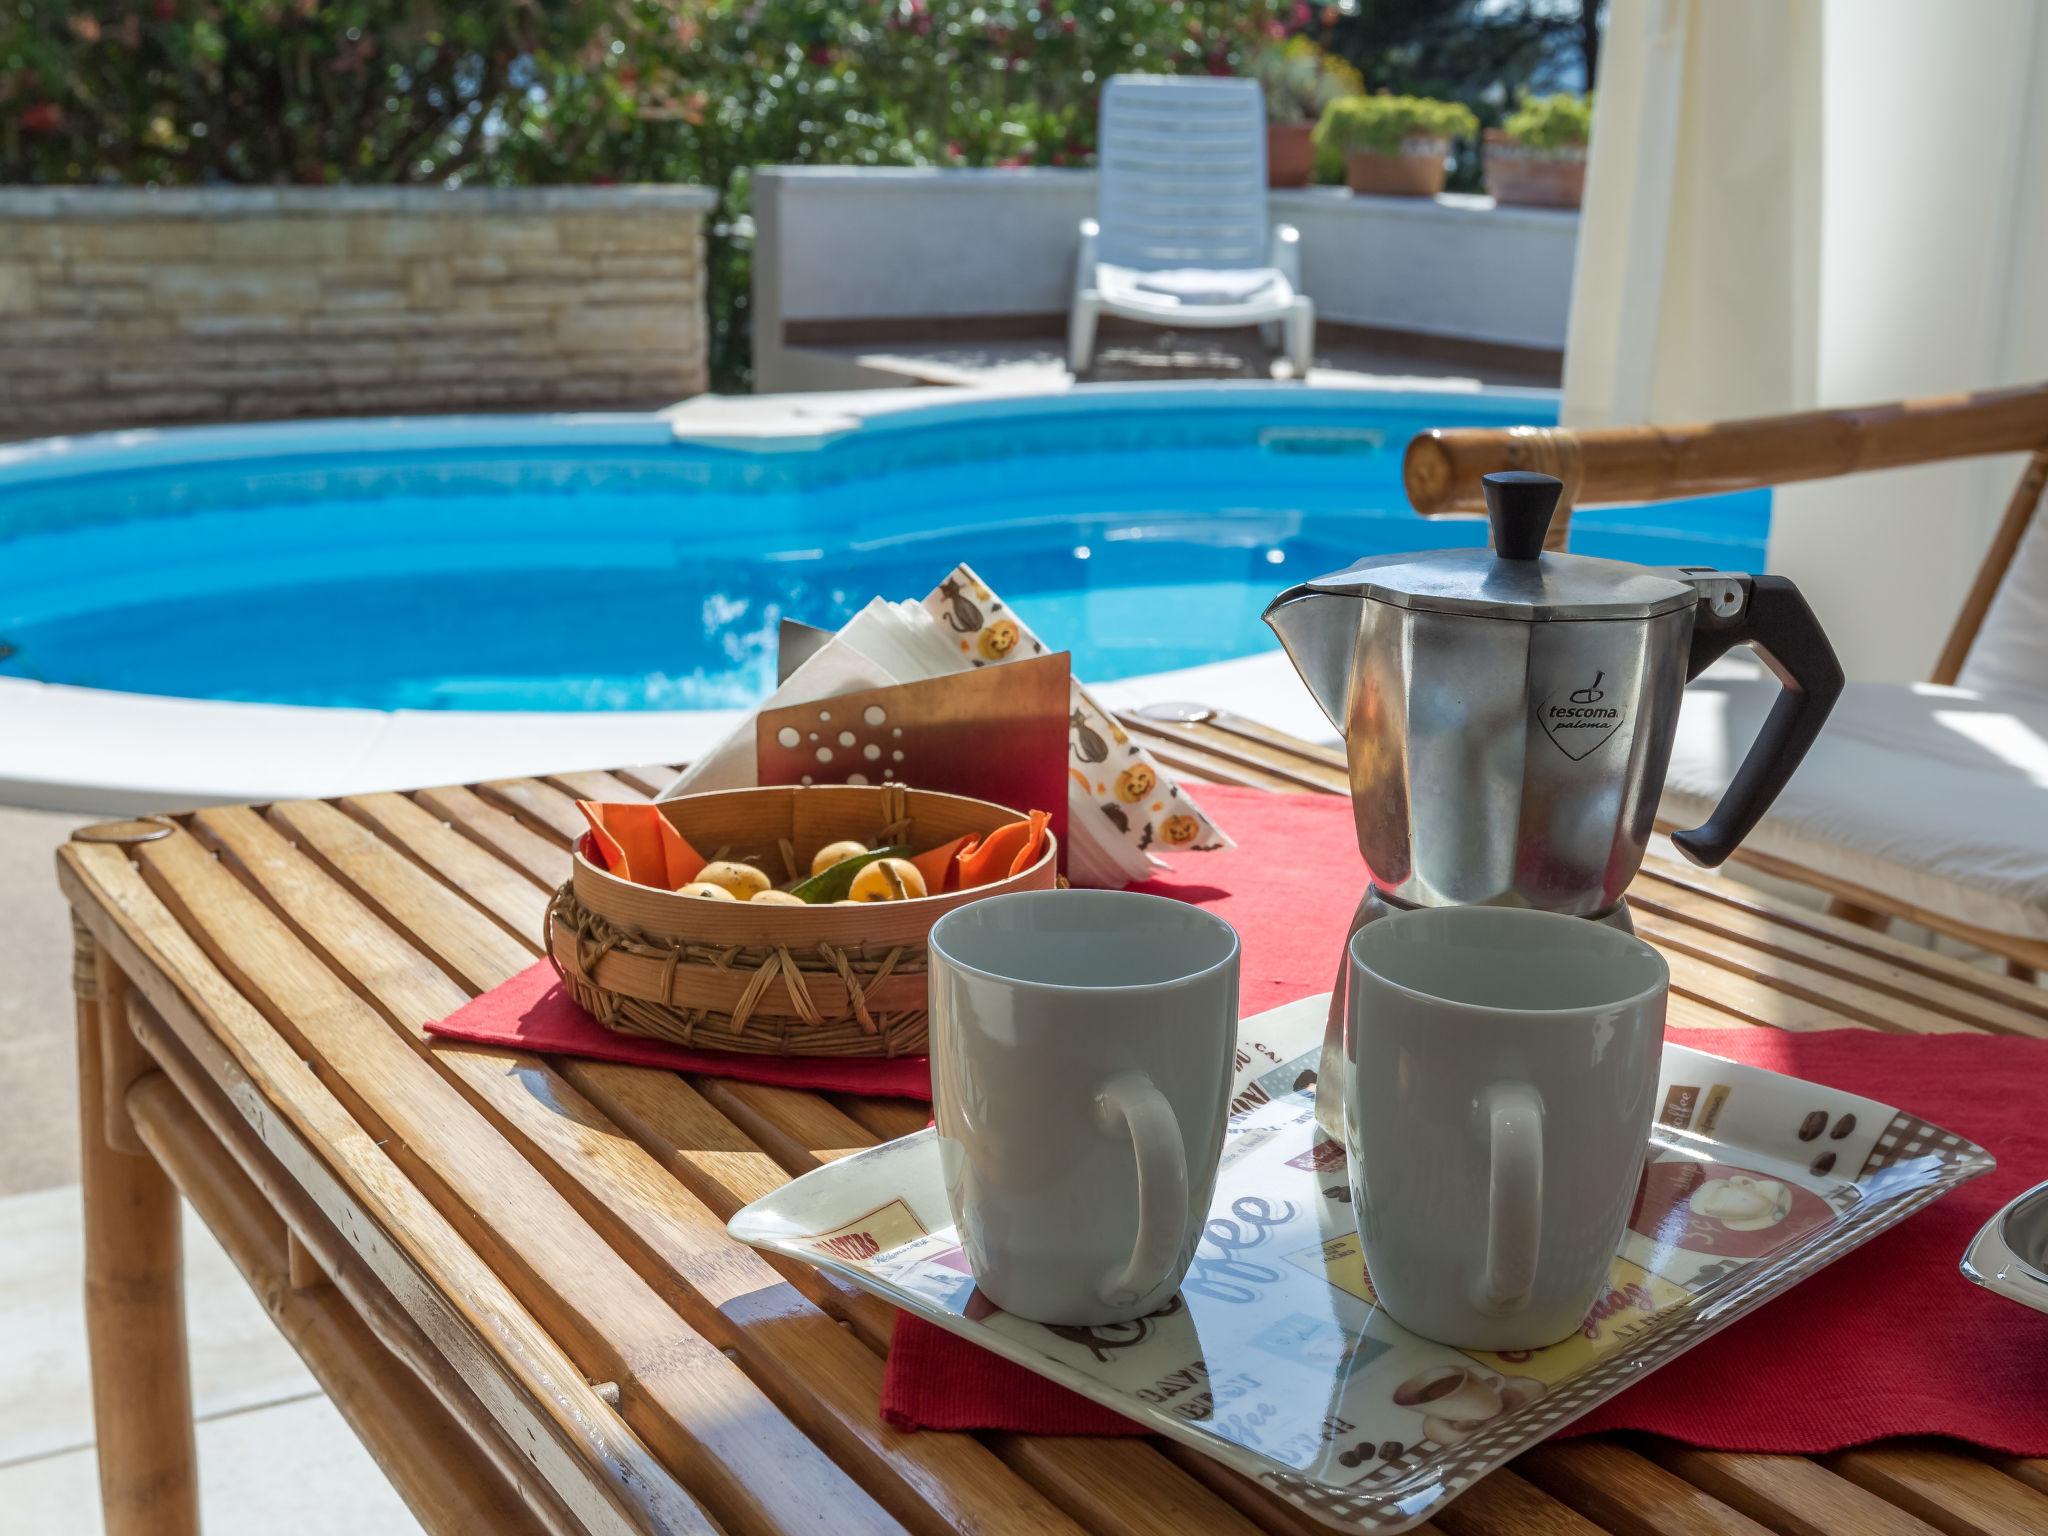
38,1075
39,1101
239,1360
291,1467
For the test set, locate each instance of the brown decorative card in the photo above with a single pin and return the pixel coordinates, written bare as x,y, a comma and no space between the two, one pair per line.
994,734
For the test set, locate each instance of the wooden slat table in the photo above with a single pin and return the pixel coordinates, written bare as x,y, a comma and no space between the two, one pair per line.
511,1274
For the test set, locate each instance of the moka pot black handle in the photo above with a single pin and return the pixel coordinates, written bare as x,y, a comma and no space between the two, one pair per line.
1775,620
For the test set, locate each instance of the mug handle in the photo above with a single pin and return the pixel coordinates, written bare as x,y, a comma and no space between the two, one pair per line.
1130,1099
1514,1117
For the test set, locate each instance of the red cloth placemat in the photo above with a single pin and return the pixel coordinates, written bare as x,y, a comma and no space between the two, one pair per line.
1890,1340
1300,844
534,1012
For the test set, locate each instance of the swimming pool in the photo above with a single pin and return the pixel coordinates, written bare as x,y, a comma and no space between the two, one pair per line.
611,564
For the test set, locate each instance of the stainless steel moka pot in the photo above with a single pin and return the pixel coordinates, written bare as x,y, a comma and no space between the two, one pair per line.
1508,713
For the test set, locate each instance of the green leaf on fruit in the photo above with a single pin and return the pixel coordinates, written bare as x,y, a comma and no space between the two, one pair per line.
832,884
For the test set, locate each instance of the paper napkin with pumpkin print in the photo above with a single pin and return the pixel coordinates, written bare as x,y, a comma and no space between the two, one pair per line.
1123,809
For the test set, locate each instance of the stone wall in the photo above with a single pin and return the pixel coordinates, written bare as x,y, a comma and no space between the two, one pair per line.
123,308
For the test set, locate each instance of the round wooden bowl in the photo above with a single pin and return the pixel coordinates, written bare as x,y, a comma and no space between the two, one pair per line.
775,980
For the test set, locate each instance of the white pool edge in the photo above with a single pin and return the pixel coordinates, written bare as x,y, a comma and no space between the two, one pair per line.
95,751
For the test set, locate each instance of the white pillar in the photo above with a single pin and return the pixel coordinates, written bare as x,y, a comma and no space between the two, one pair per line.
1699,246
1823,202
1933,278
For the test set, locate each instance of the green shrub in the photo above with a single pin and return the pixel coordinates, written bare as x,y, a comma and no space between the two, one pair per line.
1300,80
1563,121
179,91
1381,124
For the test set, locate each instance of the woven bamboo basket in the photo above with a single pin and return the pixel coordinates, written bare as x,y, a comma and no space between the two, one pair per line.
774,980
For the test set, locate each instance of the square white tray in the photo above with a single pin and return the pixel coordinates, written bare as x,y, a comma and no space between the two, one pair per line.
1275,1359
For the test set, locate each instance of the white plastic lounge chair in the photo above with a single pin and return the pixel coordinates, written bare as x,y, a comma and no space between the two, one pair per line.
1181,235
1922,801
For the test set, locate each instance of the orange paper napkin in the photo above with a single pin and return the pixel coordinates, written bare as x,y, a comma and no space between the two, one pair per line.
636,842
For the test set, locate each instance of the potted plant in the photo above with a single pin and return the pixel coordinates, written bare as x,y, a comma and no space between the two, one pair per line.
1299,80
1392,146
1538,156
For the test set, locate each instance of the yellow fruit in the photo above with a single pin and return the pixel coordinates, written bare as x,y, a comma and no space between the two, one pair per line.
742,881
777,899
707,890
887,880
836,853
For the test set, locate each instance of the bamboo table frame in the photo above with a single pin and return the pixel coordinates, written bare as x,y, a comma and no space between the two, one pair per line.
512,1276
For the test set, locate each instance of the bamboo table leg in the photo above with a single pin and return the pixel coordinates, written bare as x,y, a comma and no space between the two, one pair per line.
134,1296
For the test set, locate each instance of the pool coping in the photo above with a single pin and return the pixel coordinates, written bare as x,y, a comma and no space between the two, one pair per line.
97,750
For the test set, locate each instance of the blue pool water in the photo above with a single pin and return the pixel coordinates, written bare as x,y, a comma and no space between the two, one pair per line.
565,564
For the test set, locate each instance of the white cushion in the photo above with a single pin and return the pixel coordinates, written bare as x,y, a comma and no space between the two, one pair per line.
1194,288
1935,796
2010,654
1200,285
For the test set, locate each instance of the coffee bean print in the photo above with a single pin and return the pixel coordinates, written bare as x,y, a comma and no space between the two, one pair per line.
1390,1450
1842,1128
1825,1163
1813,1125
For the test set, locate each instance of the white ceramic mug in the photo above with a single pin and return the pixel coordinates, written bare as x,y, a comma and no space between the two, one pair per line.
1501,1073
1082,1046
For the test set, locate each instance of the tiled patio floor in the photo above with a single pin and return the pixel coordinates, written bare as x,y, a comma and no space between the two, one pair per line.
1039,362
274,1456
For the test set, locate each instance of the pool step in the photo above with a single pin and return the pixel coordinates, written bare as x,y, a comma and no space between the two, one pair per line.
1323,440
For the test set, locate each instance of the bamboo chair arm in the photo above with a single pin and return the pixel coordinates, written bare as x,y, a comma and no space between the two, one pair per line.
1612,464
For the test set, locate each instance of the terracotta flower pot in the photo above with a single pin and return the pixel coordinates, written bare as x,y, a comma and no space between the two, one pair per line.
1290,156
1536,178
1416,171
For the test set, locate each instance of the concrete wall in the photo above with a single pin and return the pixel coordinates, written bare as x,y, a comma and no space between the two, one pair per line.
126,307
837,248
1455,266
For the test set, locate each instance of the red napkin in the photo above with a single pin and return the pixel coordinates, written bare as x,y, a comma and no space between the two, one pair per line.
1293,844
534,1012
1890,1340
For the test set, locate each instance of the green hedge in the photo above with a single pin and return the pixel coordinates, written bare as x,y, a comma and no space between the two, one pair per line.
436,91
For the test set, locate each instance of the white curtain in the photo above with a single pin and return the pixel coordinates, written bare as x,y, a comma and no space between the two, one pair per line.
1795,203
